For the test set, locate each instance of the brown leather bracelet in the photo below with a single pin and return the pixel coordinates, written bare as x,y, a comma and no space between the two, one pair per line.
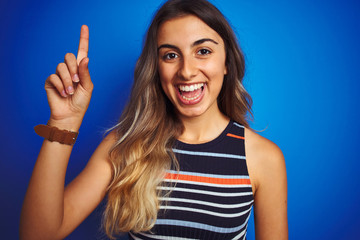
54,134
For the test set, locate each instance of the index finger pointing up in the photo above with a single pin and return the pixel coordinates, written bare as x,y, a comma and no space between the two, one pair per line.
83,44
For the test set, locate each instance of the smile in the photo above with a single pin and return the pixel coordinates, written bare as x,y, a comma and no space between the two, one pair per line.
191,94
190,88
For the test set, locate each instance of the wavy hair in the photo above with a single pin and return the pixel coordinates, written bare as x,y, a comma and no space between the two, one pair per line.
148,126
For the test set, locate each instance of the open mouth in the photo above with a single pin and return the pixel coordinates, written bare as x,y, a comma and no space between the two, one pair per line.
191,92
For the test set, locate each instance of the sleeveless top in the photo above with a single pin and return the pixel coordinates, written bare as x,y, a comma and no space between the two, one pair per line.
212,196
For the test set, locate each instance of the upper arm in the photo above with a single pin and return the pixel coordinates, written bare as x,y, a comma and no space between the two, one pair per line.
267,164
88,189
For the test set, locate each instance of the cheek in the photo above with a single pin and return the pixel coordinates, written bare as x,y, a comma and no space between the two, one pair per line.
216,74
215,67
165,83
164,73
216,71
164,86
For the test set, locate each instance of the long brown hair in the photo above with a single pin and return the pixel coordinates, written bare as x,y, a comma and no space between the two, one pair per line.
148,126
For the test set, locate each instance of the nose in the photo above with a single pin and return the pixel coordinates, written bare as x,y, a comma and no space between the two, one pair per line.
188,69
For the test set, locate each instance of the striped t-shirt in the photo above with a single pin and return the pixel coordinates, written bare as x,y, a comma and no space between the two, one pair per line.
212,198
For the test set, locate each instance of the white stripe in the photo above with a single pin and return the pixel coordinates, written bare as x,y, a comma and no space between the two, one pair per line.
187,224
209,175
205,192
166,237
209,154
225,215
245,230
208,184
207,203
239,235
238,125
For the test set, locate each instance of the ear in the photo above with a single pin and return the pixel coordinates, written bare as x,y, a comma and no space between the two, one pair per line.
225,70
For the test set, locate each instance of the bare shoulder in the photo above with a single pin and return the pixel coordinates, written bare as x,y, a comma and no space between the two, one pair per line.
263,146
110,139
266,166
264,158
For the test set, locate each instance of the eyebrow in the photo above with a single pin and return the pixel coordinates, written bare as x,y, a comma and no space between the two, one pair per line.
197,42
200,41
168,46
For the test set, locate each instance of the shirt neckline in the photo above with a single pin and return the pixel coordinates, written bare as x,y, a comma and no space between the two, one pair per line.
181,145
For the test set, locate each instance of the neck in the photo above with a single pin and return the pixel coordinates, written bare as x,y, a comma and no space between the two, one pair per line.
203,128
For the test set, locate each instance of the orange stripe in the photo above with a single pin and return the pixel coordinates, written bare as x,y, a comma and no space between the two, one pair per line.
228,181
234,136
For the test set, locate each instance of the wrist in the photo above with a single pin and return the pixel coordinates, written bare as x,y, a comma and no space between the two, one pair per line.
54,134
72,125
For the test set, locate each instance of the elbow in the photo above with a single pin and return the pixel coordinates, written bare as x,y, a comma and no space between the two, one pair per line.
30,230
36,235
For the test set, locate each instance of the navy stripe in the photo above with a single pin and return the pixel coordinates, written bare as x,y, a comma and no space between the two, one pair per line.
198,210
208,154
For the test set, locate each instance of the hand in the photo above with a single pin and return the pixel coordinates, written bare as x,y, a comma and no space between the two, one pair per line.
69,89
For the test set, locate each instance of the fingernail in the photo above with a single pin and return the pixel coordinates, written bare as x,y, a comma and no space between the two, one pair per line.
76,78
63,93
70,90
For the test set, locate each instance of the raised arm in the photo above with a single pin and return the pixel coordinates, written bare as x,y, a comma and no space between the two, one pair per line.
50,211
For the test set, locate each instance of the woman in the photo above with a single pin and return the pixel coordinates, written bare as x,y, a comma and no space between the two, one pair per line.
174,166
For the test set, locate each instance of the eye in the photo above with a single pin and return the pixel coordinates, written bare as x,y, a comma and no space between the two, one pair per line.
204,51
170,56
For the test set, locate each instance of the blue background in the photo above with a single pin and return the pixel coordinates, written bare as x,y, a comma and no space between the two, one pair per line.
303,72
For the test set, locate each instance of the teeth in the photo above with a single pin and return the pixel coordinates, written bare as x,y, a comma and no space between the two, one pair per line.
190,88
190,99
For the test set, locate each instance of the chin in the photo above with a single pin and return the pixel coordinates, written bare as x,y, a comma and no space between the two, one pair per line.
190,113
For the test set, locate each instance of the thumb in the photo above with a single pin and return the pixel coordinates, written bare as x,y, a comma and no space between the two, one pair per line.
84,74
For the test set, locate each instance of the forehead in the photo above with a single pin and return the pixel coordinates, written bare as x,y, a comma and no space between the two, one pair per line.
185,29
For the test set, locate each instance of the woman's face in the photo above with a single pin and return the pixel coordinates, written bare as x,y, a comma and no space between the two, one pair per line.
191,65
